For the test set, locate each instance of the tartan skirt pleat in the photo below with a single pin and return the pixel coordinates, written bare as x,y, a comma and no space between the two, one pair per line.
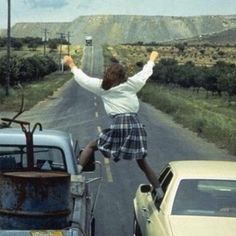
125,139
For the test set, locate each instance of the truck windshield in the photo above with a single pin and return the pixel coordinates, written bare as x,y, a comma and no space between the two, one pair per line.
45,158
206,198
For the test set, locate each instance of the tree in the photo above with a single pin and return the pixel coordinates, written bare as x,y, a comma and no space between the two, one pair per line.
165,71
17,43
186,76
180,47
26,70
227,83
32,46
14,70
231,78
3,42
210,81
53,44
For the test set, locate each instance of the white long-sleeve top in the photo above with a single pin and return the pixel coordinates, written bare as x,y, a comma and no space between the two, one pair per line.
119,99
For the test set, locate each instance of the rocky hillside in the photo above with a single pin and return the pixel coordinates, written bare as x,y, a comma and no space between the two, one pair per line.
227,37
115,29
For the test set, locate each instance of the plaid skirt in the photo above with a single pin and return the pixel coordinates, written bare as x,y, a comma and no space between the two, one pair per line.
125,139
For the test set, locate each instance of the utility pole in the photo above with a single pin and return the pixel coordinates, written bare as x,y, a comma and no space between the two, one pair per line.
68,39
45,39
8,48
62,36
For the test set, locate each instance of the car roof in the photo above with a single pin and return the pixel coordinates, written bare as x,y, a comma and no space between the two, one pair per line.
12,136
206,169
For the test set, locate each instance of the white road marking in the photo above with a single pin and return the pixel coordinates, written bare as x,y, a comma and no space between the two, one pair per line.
99,129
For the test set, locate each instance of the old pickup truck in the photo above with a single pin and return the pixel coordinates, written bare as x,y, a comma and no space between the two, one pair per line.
41,192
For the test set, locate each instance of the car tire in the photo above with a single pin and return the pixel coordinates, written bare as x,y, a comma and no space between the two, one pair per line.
136,228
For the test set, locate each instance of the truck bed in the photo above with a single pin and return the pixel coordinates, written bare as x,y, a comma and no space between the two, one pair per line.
80,219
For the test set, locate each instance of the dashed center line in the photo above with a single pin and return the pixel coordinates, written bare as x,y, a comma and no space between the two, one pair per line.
108,170
99,129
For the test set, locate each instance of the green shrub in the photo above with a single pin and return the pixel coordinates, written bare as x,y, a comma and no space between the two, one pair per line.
210,123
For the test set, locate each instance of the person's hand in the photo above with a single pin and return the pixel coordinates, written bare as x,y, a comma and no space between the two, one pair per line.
153,56
69,61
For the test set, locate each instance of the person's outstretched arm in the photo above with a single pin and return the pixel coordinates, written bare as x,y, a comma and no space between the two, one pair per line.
85,81
139,79
153,56
69,61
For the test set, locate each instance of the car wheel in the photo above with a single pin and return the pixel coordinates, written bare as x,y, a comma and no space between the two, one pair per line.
136,228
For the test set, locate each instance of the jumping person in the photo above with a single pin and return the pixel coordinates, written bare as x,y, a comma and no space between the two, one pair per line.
126,138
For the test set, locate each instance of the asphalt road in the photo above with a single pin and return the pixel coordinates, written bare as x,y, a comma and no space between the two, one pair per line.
81,113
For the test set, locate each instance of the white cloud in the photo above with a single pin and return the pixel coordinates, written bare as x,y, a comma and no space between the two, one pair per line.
46,3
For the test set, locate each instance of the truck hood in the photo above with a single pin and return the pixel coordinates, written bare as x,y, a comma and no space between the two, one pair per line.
202,226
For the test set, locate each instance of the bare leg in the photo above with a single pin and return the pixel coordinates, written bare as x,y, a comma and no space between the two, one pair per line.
87,153
148,171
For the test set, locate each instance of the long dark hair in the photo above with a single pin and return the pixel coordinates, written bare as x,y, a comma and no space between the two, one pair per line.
113,76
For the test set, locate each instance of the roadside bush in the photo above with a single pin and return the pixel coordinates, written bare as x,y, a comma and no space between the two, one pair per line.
165,71
16,43
14,70
207,122
216,79
231,84
26,69
3,42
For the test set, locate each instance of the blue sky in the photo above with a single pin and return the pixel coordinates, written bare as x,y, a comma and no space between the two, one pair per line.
67,10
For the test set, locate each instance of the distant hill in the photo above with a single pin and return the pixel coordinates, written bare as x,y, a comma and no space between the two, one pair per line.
227,37
114,29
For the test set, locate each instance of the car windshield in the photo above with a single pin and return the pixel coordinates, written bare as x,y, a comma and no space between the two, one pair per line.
205,198
45,158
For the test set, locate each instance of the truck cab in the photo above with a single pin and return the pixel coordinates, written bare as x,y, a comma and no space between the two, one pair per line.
88,41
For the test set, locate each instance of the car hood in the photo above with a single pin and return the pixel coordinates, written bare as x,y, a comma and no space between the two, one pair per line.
204,226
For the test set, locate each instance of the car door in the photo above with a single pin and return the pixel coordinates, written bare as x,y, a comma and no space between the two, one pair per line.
156,219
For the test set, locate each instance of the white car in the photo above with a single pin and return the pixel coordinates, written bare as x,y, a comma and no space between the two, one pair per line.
199,200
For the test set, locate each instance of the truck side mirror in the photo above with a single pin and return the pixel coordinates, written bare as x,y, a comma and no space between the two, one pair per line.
90,166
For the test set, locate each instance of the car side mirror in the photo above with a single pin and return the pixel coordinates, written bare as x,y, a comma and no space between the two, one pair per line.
91,165
145,188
